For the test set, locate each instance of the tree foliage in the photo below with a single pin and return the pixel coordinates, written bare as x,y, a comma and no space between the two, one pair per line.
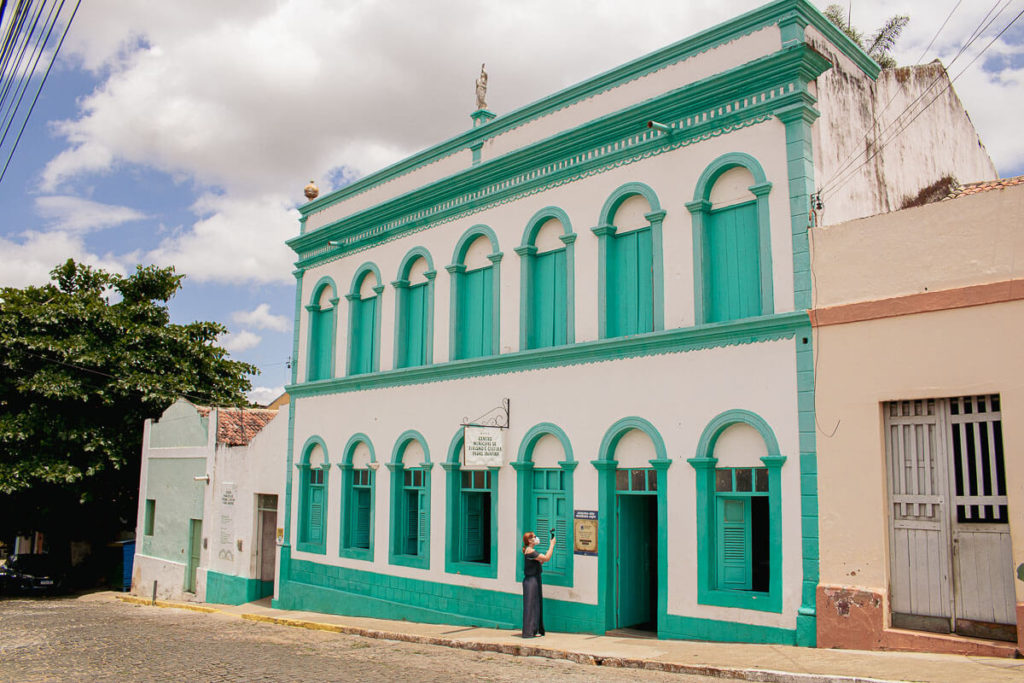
878,45
84,361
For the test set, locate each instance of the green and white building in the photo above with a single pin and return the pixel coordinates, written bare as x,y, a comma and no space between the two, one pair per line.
625,262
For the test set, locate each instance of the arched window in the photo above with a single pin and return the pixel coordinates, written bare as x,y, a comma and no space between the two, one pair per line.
739,513
358,467
475,295
631,276
364,321
731,241
414,318
544,474
410,501
546,277
472,507
313,470
321,311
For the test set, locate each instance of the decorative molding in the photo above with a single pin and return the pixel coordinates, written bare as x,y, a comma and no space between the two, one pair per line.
732,333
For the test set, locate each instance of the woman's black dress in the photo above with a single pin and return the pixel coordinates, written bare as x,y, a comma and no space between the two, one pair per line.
533,596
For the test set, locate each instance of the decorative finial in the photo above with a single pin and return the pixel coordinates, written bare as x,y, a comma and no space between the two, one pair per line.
481,89
312,191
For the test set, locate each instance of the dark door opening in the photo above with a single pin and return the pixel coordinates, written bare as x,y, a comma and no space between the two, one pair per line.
636,561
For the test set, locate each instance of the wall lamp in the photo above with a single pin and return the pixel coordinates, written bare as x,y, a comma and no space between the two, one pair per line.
205,477
660,127
333,243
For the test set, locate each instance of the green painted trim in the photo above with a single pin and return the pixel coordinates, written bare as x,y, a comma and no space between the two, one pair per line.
704,464
350,448
732,99
397,468
470,236
290,458
785,13
341,590
307,447
807,614
403,440
354,297
621,194
701,206
523,466
733,332
614,433
694,628
227,589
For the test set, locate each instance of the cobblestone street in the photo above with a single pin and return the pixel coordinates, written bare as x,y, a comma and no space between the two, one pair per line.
99,639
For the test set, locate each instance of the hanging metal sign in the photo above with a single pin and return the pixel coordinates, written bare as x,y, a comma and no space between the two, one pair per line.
484,446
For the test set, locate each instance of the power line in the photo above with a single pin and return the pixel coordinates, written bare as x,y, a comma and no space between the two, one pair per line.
42,82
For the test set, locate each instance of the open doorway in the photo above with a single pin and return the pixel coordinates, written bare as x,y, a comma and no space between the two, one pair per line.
636,562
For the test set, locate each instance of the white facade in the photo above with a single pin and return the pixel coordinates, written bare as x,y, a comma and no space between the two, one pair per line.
676,407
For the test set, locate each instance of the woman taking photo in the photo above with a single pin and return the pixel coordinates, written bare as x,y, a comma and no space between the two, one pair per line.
533,592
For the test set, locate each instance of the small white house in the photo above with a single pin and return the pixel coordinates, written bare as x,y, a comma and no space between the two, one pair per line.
210,487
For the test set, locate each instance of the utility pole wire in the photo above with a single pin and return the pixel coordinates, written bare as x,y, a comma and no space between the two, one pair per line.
39,90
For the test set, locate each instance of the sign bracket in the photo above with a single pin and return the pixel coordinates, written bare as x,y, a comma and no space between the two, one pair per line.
499,417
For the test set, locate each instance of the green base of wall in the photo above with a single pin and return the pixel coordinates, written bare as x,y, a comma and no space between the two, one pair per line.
339,590
225,589
807,630
693,628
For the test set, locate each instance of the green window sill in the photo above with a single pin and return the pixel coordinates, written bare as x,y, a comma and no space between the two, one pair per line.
415,561
761,602
479,569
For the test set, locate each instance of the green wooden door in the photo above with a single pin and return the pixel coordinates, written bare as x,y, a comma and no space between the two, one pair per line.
732,268
195,544
633,536
733,543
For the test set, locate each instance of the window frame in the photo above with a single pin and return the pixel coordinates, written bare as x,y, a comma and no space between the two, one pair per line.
367,341
455,506
317,320
459,274
399,520
529,257
403,291
303,542
349,487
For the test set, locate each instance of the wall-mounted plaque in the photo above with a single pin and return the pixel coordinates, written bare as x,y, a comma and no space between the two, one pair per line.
584,532
484,447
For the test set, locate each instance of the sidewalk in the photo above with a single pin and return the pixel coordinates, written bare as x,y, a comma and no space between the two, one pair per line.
769,663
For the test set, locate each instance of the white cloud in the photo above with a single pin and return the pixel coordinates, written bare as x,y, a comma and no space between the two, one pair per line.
235,342
264,395
261,318
76,214
27,259
236,240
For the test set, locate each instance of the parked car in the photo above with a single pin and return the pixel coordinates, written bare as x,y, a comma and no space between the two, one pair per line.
33,574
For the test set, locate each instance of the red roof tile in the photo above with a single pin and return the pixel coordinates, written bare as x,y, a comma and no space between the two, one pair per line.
238,426
984,186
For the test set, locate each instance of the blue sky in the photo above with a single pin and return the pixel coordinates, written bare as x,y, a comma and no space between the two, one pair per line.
183,133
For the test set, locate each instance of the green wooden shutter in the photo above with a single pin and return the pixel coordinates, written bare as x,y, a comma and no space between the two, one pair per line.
364,316
562,526
733,263
361,519
414,343
548,306
315,524
734,561
475,326
473,549
644,282
321,327
421,537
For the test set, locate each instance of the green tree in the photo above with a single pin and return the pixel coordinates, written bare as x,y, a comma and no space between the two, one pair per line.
84,361
880,44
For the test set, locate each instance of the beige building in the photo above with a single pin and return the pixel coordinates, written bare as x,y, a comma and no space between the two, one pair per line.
918,317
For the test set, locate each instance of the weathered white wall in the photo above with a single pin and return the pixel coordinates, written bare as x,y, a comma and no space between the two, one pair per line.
858,115
584,401
257,468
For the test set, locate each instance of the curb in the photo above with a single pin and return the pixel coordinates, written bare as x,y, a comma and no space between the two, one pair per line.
735,673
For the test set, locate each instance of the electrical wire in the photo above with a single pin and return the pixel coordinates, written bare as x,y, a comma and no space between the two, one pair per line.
843,167
841,178
37,53
39,90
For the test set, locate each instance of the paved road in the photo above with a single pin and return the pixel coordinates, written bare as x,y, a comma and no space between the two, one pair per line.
95,638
